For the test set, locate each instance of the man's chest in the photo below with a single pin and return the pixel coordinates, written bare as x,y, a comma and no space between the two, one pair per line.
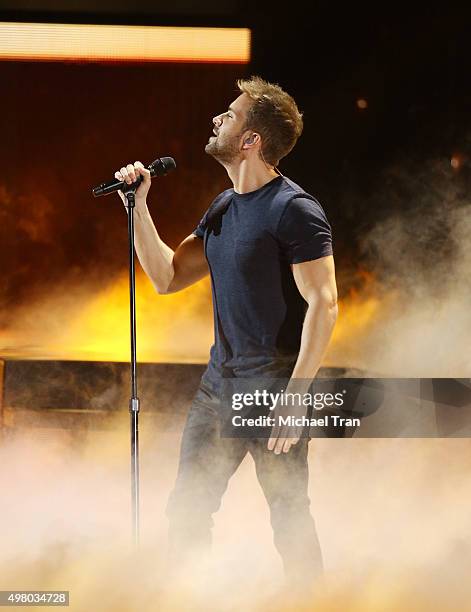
242,242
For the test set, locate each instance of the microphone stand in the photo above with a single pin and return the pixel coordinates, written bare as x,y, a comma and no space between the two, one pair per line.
159,167
130,191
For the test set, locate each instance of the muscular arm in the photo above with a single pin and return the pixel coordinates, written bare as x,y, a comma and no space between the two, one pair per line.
316,283
168,270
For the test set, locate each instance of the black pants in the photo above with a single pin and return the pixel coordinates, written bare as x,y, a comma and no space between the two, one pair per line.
207,461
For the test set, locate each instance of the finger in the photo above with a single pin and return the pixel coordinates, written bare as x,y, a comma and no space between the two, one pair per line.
141,170
125,174
275,432
131,172
279,445
287,445
118,175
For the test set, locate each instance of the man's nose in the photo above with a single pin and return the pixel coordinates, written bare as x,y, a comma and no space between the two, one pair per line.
217,120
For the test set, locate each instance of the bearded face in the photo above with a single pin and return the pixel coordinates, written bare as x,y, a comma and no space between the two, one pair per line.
225,144
224,147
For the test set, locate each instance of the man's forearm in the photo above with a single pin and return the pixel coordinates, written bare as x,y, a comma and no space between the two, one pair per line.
317,329
155,256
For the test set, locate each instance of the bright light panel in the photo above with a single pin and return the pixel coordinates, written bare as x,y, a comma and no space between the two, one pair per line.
65,42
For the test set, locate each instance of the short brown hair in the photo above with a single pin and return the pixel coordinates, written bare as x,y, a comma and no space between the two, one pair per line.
274,115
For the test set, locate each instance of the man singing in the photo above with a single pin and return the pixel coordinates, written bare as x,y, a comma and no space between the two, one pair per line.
267,245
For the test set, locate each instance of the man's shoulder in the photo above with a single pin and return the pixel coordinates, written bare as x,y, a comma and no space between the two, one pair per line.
290,189
286,189
226,194
292,201
288,192
217,206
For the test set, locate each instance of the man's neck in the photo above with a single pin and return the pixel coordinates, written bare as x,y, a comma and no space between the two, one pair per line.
248,177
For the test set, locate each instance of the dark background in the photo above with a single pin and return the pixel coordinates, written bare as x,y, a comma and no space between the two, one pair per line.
68,126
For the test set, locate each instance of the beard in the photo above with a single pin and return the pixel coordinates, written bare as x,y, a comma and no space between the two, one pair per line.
223,150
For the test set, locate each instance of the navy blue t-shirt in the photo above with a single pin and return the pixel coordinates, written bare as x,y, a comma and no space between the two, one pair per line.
250,240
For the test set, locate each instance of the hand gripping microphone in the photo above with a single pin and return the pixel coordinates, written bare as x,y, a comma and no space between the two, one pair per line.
159,167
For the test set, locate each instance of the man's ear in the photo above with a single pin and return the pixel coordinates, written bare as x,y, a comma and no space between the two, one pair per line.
250,140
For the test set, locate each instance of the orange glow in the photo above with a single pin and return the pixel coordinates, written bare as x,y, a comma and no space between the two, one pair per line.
95,325
102,327
63,42
164,333
355,314
359,313
362,103
455,162
81,323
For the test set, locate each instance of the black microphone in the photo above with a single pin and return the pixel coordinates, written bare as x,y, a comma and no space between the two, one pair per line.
159,167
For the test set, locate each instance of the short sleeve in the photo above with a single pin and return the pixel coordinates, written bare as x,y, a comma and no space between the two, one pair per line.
304,231
200,228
